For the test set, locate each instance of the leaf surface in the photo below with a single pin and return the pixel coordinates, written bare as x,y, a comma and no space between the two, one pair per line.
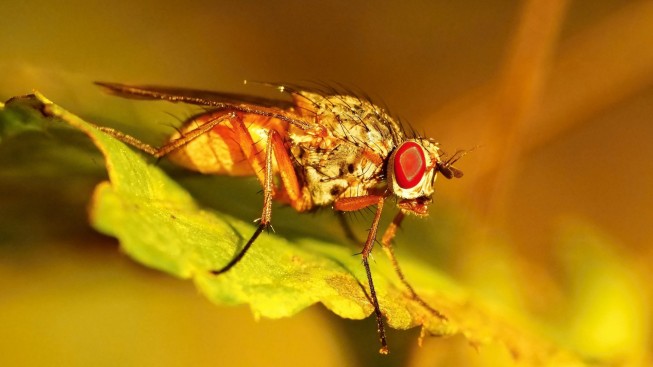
159,224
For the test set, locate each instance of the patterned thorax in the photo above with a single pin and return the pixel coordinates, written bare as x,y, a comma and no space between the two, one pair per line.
349,160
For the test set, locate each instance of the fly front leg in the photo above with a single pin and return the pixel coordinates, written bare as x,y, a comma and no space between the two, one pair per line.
386,244
357,203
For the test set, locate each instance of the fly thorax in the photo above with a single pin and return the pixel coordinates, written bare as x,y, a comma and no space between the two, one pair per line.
339,170
356,120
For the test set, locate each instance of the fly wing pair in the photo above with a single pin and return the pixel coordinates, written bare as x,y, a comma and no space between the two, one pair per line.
192,96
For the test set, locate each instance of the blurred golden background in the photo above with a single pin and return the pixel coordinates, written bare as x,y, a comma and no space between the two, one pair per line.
554,98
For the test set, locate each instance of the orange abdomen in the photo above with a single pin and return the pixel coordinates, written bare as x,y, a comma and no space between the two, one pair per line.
219,151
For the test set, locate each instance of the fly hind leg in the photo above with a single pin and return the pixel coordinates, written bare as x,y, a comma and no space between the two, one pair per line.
291,187
262,167
206,123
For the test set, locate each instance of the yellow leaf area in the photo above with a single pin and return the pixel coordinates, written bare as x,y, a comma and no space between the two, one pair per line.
160,225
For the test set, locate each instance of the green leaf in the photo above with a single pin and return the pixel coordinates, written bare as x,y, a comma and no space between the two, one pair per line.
160,225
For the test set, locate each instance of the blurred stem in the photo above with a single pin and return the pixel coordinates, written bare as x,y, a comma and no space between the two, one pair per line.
519,91
590,72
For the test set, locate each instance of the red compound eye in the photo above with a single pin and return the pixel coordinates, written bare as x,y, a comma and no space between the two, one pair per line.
409,164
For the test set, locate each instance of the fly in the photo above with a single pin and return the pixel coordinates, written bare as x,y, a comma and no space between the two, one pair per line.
327,149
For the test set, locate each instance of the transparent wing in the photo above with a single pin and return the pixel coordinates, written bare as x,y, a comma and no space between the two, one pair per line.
191,96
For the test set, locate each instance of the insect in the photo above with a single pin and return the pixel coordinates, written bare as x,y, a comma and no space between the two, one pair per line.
325,148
